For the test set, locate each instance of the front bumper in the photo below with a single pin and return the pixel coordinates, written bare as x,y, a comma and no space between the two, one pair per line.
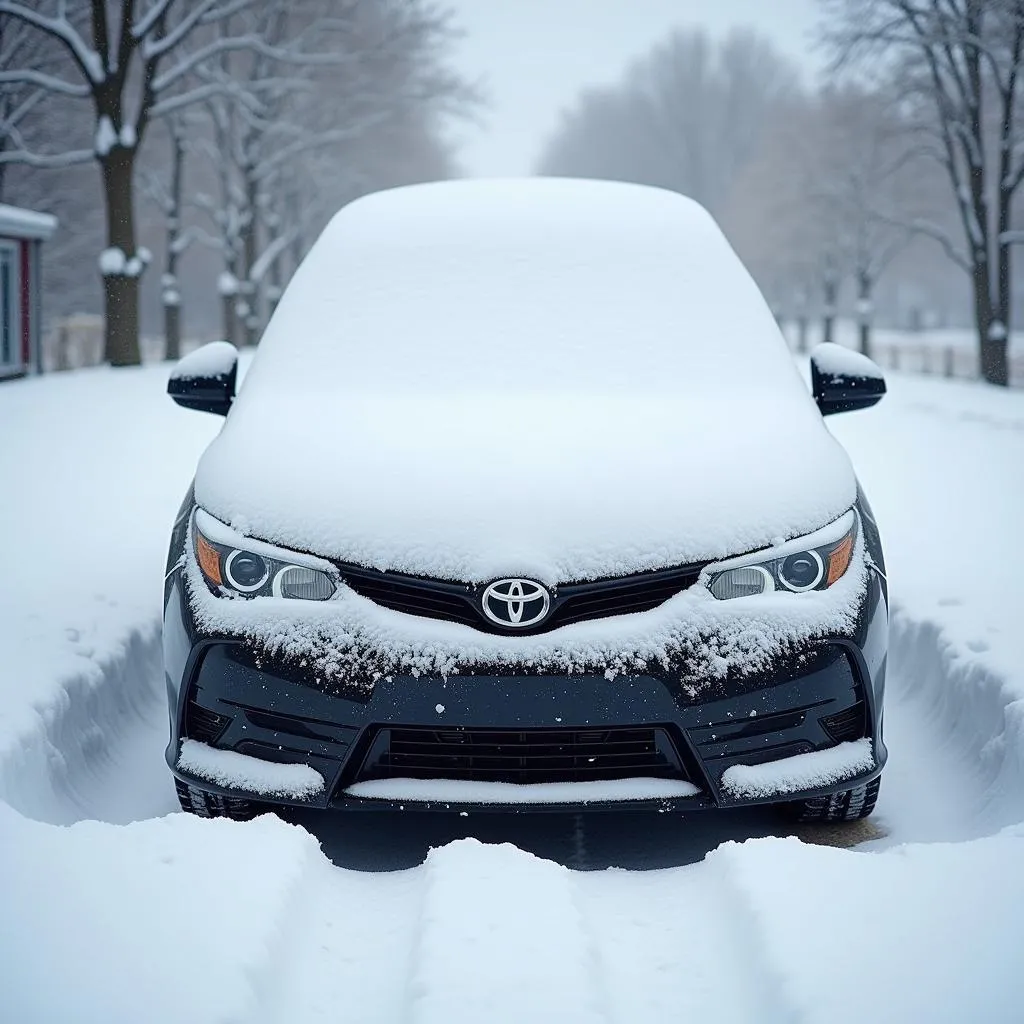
235,700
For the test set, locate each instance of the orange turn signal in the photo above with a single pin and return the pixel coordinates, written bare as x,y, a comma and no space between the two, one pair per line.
839,559
209,560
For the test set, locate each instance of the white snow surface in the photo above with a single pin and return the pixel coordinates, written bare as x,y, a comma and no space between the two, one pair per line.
459,791
253,774
838,360
103,887
112,261
106,138
474,379
803,771
26,223
211,360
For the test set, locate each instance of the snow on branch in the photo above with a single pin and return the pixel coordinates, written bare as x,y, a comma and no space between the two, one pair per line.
60,28
201,12
51,83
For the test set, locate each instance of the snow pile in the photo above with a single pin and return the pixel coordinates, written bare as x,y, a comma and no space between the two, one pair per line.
114,263
80,614
122,924
252,774
106,137
839,361
803,771
26,223
218,358
557,380
458,791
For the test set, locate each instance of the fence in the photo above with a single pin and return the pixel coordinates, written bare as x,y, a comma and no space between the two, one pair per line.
954,361
77,341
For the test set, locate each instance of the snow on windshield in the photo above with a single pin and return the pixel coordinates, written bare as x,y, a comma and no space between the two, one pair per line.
523,285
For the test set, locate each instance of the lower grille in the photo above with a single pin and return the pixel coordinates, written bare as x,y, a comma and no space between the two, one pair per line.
850,724
522,756
202,724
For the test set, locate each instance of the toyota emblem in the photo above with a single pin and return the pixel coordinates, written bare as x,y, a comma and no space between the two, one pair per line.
516,603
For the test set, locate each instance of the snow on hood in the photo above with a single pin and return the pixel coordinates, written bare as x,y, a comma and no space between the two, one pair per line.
561,379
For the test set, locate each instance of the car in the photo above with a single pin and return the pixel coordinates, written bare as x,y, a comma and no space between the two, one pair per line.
524,503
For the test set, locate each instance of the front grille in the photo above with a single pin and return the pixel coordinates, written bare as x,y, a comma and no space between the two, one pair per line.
202,724
623,596
850,724
522,756
431,598
574,602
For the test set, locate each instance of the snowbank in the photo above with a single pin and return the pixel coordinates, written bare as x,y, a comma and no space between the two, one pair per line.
99,466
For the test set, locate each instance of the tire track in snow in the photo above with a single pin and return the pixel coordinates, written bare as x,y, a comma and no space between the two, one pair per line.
343,949
668,938
501,940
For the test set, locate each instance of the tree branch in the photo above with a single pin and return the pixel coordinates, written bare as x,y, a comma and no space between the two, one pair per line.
60,28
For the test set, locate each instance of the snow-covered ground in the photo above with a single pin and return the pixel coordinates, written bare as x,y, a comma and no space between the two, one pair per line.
113,908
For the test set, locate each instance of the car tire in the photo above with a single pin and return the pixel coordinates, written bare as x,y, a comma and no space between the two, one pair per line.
211,805
850,805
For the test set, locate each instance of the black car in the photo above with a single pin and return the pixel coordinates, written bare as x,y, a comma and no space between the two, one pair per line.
523,503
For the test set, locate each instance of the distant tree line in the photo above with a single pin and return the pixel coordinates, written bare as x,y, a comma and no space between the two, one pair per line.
908,157
228,131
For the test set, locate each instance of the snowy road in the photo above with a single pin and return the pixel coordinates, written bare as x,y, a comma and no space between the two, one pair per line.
426,918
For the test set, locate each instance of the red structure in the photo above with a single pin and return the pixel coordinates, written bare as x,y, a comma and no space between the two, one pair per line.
22,233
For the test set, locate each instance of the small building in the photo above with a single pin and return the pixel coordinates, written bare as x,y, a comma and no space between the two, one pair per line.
22,233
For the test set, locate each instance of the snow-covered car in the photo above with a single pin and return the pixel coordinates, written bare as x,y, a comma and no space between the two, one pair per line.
522,502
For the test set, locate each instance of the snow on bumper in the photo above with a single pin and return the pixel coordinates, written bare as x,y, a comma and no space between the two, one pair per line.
232,770
460,791
348,642
813,770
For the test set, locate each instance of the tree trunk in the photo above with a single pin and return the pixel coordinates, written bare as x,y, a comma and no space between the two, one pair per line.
227,308
991,324
170,289
864,310
121,280
250,246
831,296
172,331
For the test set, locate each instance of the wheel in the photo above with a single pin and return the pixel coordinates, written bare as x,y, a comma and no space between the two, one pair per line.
851,805
210,805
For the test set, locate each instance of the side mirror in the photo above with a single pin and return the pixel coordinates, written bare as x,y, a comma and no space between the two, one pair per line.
843,380
205,379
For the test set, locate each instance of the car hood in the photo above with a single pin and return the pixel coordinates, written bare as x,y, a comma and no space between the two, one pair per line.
476,488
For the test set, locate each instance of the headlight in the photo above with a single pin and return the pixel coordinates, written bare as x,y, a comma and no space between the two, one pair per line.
237,571
813,562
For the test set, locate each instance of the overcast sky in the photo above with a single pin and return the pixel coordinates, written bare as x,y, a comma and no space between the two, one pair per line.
534,57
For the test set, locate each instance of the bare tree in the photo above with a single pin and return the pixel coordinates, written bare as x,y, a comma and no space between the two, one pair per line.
283,161
688,116
125,58
959,62
167,192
